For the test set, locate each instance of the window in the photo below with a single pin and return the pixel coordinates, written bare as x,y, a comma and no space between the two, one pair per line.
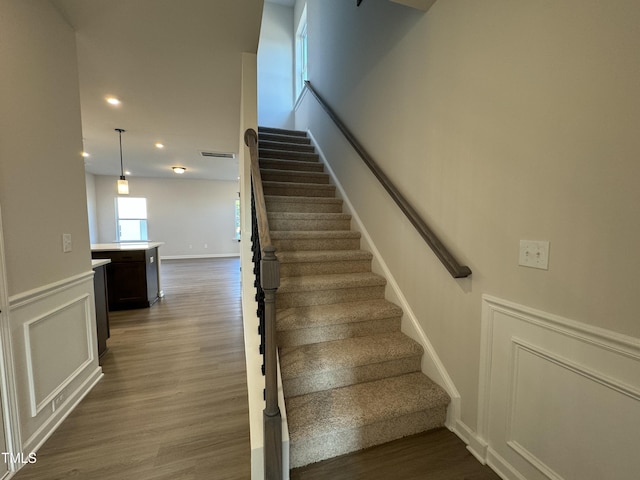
301,52
131,213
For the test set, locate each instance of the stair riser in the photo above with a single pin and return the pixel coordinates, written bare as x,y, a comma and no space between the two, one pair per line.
317,244
304,451
307,225
283,155
322,268
316,382
286,147
308,336
291,165
292,207
296,177
300,191
272,137
324,297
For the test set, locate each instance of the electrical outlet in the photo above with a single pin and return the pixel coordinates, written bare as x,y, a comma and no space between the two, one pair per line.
58,401
534,254
67,246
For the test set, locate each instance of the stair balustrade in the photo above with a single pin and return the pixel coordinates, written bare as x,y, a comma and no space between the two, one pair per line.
441,251
267,271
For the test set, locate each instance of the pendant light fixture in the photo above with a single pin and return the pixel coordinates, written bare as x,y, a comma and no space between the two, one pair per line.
123,185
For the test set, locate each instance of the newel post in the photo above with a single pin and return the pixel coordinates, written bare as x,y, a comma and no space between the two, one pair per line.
270,280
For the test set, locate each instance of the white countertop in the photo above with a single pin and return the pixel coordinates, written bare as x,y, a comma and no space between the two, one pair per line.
95,263
107,247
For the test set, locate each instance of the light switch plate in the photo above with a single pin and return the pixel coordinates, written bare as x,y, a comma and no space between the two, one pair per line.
67,246
534,254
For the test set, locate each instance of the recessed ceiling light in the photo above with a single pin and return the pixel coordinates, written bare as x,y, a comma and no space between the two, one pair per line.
113,101
179,170
159,145
85,154
127,172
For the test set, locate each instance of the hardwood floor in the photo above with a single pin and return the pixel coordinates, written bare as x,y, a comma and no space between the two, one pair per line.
173,400
434,455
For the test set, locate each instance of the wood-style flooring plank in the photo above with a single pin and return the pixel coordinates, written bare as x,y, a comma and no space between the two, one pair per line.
434,455
173,400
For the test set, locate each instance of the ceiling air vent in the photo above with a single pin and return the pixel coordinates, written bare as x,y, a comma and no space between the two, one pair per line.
205,153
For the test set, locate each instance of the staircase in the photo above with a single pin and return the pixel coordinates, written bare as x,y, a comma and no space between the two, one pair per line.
351,379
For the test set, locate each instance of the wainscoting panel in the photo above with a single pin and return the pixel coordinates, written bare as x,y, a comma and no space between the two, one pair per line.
72,322
558,399
55,354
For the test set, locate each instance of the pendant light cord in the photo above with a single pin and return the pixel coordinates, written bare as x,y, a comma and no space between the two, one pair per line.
119,130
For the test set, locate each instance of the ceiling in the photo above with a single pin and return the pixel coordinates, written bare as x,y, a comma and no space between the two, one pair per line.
176,67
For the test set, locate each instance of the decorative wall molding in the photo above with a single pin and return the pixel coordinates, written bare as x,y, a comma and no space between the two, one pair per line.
558,399
58,316
22,299
53,335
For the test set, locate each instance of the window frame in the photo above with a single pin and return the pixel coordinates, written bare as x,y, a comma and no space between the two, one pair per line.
301,53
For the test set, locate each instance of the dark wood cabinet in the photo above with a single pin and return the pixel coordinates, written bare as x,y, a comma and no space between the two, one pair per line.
102,310
132,277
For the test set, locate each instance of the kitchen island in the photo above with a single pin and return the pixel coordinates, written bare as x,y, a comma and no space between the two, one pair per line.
133,275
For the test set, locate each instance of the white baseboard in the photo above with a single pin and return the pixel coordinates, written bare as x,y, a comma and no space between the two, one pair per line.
51,425
475,444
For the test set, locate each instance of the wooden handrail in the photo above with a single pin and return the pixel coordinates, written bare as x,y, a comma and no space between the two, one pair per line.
448,260
251,141
269,274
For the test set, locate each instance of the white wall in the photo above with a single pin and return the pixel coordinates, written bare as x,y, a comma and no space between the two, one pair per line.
499,121
92,211
193,217
42,189
51,317
275,67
